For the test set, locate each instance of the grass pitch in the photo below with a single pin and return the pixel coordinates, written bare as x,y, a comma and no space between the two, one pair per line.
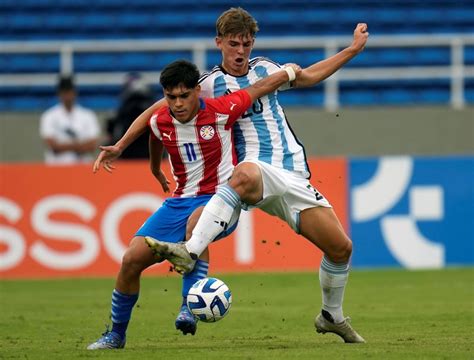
401,314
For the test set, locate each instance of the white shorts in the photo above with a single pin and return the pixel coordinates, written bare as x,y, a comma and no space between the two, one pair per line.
286,194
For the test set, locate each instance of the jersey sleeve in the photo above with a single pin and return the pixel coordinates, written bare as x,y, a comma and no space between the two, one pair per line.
234,105
206,83
153,125
273,67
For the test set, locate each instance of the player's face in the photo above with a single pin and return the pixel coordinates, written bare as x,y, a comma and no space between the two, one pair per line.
236,51
183,102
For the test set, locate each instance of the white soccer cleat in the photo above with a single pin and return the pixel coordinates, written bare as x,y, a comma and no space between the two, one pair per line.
108,340
343,329
177,254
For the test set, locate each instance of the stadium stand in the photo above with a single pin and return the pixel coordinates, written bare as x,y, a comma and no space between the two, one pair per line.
60,20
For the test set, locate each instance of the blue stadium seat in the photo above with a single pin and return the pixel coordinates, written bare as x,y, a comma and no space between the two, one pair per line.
469,55
427,15
469,91
433,96
465,14
26,5
25,22
92,22
432,56
358,97
135,20
397,96
28,103
100,101
151,61
62,22
29,63
142,61
301,97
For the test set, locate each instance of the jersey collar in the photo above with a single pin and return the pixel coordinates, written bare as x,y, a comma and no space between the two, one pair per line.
236,76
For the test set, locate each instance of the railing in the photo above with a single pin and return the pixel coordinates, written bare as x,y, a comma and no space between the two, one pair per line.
456,71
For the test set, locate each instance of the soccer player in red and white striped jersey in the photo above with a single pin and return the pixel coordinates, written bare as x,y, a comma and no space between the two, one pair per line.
200,149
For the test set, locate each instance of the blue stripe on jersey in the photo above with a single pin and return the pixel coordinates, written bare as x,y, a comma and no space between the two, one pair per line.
263,134
239,142
288,164
220,88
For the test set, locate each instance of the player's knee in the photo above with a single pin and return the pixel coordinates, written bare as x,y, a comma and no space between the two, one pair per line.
245,180
132,263
341,253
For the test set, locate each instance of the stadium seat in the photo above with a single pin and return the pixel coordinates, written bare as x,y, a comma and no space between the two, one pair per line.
64,22
24,22
136,21
469,91
97,21
469,55
29,63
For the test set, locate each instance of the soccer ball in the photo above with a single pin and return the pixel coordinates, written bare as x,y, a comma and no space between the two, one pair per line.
209,299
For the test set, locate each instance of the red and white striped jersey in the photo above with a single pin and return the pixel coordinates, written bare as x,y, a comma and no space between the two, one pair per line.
201,151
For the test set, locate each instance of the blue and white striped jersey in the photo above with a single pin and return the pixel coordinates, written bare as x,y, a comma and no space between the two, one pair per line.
263,132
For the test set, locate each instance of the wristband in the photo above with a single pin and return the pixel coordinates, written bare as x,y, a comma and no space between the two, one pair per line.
291,73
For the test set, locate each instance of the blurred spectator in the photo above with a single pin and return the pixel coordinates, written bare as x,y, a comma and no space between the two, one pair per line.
70,131
136,97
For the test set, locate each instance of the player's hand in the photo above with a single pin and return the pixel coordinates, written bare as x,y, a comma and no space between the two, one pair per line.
361,35
161,177
106,158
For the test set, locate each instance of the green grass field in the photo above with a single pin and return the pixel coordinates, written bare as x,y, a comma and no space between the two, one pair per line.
401,314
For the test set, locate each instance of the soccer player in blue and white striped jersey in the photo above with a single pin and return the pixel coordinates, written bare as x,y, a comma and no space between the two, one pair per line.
272,173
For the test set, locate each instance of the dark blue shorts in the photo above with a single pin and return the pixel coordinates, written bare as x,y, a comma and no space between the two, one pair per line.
168,223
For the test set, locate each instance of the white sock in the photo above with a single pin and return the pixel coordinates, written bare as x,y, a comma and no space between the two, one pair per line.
333,279
213,220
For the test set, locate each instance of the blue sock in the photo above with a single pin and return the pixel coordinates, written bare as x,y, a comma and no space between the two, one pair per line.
122,306
199,272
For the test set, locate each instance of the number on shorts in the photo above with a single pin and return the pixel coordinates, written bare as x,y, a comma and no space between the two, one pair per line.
316,193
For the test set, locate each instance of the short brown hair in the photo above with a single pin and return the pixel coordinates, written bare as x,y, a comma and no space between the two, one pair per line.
236,21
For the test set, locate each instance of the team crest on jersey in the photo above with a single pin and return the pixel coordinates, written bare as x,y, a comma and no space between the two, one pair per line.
207,132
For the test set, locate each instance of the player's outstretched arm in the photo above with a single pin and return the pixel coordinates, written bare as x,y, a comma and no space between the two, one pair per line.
323,69
111,153
274,81
155,147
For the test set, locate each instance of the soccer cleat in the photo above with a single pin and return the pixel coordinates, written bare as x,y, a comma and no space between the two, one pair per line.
151,242
177,254
343,329
185,321
108,340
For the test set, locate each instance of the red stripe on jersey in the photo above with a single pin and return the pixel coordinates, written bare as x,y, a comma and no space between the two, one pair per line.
211,151
171,143
179,169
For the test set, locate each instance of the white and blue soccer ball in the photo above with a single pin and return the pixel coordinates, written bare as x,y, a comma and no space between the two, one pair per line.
209,299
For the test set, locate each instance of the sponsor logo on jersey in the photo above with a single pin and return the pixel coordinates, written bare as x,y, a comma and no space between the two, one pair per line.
168,135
